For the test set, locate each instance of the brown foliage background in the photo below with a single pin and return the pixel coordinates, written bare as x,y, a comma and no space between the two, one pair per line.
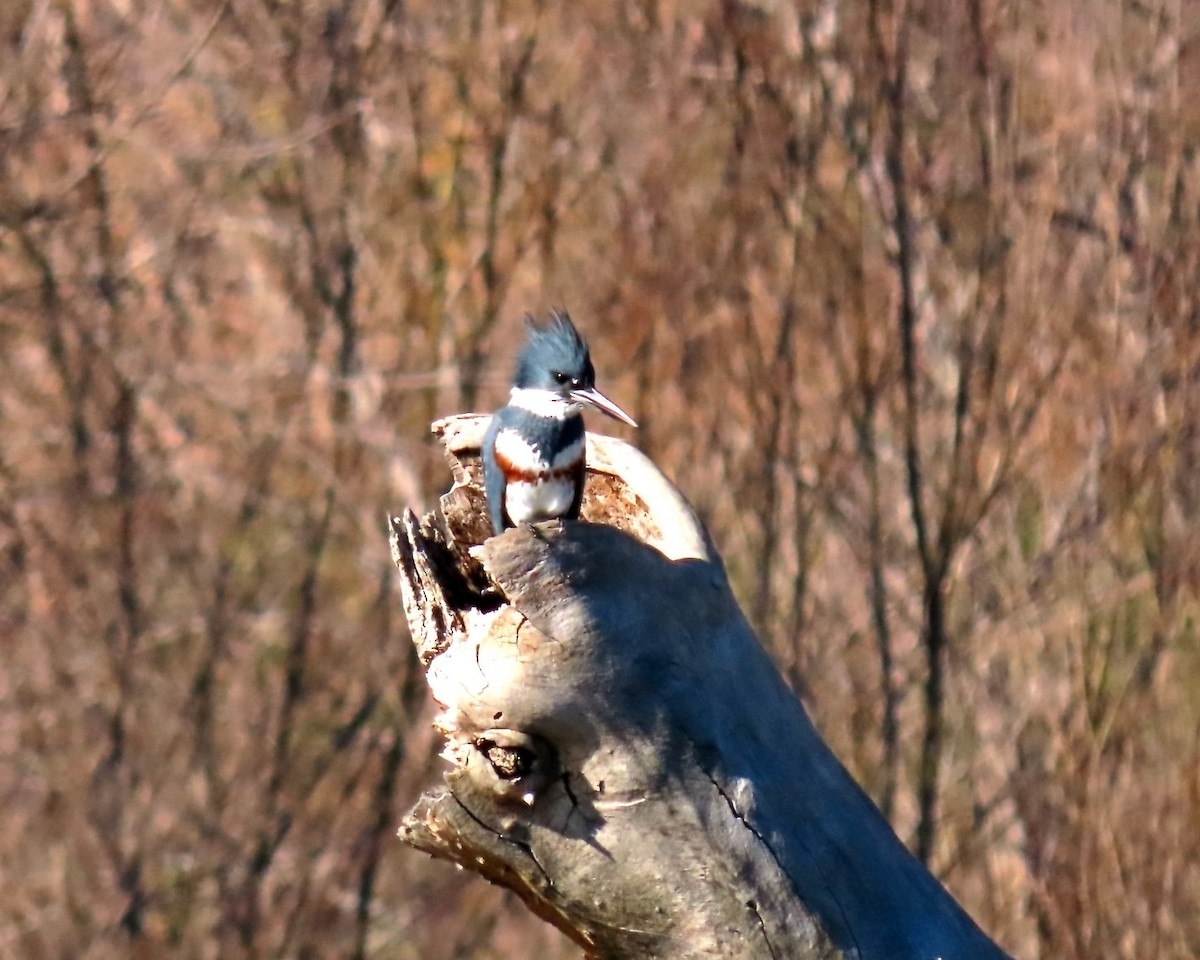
903,293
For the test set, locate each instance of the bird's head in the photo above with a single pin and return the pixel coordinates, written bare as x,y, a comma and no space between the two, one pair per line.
555,363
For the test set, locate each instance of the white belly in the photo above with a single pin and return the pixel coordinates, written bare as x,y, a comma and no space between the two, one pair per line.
531,502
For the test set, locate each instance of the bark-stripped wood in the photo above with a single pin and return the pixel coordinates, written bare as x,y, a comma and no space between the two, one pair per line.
622,752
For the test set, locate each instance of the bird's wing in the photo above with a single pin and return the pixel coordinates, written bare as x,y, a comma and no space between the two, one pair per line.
494,480
574,430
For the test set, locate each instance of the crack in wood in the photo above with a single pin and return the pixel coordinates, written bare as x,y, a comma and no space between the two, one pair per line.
733,809
500,835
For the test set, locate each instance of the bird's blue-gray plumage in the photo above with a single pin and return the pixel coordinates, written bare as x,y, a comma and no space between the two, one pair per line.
494,480
545,437
533,451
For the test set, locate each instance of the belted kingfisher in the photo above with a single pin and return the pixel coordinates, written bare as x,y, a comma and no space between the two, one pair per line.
533,451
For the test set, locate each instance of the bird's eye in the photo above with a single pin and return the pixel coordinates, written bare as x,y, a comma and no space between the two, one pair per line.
561,377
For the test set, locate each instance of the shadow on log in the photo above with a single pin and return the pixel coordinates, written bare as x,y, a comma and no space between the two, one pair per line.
625,756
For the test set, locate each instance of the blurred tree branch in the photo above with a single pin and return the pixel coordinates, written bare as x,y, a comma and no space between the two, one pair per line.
249,250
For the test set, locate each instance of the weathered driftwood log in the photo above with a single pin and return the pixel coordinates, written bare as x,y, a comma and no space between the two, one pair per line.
625,756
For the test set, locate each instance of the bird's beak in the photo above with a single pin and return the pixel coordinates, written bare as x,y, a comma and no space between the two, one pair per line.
594,398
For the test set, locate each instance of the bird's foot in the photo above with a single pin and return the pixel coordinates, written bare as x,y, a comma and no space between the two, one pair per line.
539,529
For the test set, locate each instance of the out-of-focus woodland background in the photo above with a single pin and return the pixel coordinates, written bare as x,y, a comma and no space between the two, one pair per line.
903,294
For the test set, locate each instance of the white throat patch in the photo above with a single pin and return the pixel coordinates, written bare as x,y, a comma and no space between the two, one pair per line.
543,403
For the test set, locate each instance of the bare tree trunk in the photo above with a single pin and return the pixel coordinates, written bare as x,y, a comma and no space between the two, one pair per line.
625,756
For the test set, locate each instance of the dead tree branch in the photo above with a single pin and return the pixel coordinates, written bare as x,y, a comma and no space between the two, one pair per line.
624,754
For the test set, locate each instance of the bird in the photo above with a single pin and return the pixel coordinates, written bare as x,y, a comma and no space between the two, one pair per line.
533,451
